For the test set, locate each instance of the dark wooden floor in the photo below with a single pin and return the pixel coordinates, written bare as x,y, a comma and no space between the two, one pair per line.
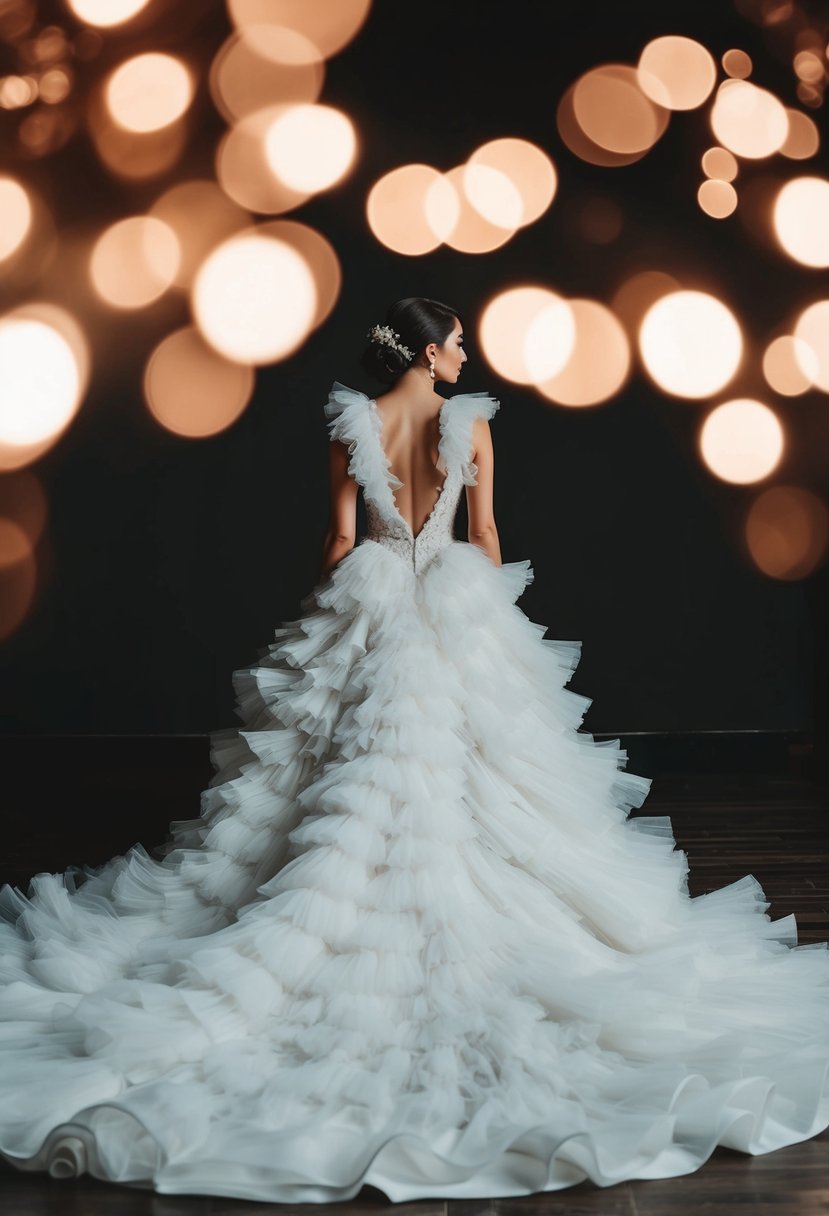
791,1182
775,827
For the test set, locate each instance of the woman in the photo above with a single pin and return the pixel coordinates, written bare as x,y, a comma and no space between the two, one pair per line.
413,940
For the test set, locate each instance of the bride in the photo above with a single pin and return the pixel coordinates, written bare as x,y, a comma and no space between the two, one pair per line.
414,938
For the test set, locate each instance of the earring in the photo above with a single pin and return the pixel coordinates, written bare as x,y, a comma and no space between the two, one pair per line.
432,368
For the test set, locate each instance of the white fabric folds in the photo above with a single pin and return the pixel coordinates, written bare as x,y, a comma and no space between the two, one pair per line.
413,939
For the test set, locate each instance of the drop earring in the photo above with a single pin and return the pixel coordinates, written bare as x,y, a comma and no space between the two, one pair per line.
432,368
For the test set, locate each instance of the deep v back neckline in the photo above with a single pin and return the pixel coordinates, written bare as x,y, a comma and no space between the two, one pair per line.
395,482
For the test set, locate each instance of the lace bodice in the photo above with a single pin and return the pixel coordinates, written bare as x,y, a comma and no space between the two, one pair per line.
355,420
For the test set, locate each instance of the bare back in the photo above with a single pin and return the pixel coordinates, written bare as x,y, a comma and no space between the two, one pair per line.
410,438
424,453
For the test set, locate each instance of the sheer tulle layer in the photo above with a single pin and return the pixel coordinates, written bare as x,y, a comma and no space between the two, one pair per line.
413,939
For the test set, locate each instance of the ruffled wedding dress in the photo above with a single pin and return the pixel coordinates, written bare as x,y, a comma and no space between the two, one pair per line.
413,940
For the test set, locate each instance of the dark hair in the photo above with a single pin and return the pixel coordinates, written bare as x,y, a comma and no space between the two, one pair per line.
418,321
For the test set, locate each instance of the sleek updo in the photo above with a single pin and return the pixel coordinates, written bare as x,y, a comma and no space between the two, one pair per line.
418,321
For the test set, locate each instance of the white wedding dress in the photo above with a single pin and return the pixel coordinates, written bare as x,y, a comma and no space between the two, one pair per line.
414,939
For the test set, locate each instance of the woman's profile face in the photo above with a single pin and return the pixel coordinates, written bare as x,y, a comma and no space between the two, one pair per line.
451,356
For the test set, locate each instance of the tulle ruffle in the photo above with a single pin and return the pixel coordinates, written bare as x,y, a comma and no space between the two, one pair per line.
413,940
463,409
353,420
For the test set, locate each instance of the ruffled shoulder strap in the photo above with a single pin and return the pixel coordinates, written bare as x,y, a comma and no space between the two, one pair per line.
354,420
461,412
344,410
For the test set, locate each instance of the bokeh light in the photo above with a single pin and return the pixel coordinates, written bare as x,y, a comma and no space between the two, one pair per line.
258,284
16,456
106,13
676,72
54,86
148,92
15,216
808,65
720,164
801,220
809,94
23,499
24,513
191,390
17,91
39,381
244,78
784,361
581,145
526,167
637,293
18,576
37,255
614,113
717,199
404,205
67,325
527,332
811,350
494,195
736,63
319,256
472,230
330,27
803,139
690,343
46,129
286,47
134,261
253,299
741,441
201,216
599,361
748,120
310,147
134,155
243,170
787,532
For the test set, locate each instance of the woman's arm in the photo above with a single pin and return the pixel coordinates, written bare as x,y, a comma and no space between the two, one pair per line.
482,529
342,519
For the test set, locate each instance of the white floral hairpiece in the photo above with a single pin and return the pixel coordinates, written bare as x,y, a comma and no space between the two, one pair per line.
386,335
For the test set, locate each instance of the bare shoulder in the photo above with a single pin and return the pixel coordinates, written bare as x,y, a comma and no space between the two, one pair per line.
481,433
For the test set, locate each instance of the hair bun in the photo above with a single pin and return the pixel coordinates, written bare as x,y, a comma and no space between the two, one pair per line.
410,325
383,362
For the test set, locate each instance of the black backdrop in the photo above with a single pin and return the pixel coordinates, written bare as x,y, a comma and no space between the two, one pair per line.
169,562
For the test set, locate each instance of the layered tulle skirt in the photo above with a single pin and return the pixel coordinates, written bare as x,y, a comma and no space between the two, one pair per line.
413,939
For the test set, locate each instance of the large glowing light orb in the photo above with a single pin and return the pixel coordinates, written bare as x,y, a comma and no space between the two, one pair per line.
254,299
741,441
39,381
676,72
527,333
149,92
752,122
690,343
599,362
310,147
801,220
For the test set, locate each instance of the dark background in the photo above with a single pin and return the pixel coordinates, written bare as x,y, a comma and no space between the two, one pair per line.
169,562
